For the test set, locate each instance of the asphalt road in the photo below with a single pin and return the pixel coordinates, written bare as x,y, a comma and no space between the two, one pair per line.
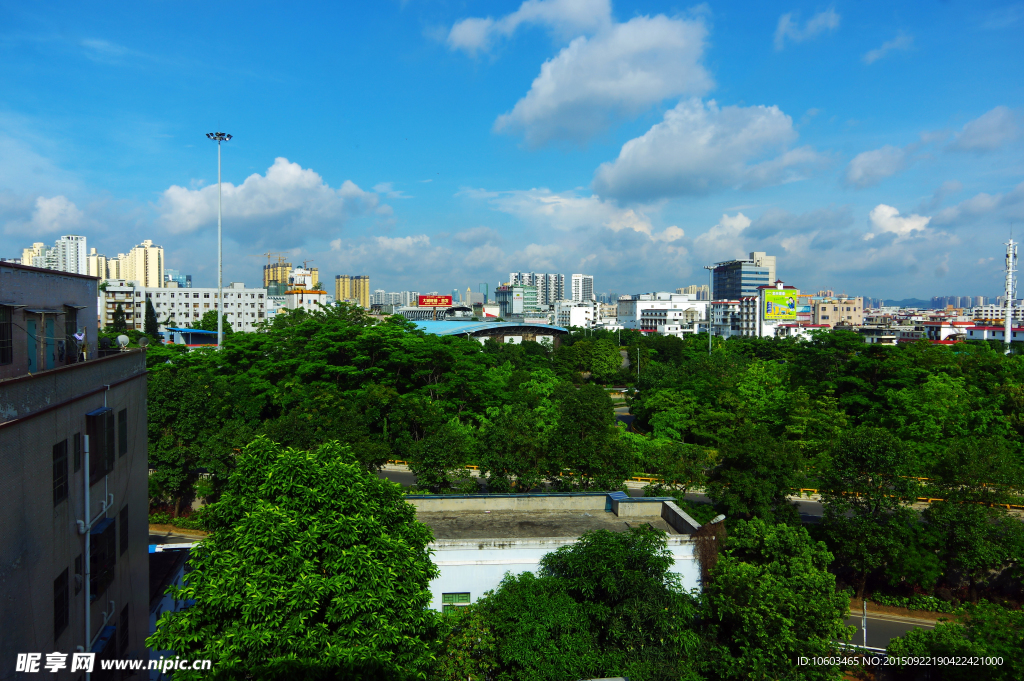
880,631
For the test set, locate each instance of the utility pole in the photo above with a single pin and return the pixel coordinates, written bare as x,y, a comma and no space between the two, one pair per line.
219,137
1011,269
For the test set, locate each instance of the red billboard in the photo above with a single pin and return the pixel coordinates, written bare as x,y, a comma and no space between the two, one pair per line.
435,301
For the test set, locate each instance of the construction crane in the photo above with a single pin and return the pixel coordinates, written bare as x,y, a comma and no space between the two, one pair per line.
268,255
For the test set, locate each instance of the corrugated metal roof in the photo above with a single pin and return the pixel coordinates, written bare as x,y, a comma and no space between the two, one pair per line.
456,328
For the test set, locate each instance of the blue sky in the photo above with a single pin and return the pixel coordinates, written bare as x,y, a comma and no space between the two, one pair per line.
875,148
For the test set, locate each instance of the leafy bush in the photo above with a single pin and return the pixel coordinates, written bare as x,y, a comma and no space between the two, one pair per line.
916,602
159,518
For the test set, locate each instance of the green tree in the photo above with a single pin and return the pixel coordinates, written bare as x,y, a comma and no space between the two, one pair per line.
511,451
439,460
976,533
865,492
986,631
584,448
316,568
209,323
152,326
606,605
771,600
754,476
120,324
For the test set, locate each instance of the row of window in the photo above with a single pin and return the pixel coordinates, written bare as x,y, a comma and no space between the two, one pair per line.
138,294
103,553
100,428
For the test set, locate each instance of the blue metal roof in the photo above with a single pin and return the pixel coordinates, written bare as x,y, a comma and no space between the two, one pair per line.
187,330
454,328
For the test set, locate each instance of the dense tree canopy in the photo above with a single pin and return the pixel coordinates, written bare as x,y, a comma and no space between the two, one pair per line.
316,568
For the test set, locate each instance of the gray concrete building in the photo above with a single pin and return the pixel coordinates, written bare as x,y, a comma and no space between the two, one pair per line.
74,527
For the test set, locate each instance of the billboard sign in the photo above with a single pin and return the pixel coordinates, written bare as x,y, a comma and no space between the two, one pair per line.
435,301
780,305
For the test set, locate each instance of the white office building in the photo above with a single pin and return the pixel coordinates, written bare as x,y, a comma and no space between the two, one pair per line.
581,314
245,308
647,311
583,287
68,254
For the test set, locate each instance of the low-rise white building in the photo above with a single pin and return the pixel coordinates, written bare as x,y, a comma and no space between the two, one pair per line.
726,318
245,308
643,311
584,314
478,538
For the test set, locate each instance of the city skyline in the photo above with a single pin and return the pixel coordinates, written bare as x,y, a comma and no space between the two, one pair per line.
871,147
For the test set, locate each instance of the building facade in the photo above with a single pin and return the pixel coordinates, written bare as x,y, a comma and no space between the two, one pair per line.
582,314
550,287
638,309
582,287
516,300
736,279
244,308
352,289
73,476
837,312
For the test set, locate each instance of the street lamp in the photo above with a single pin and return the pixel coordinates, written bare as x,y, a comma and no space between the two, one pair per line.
219,137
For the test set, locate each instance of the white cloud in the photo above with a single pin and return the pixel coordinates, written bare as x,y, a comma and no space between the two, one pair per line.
789,28
989,131
700,148
55,214
887,219
617,73
723,240
1009,205
871,167
287,201
900,42
566,211
566,18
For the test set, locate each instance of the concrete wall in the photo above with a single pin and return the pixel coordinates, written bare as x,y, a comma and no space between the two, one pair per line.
39,539
37,289
513,502
478,565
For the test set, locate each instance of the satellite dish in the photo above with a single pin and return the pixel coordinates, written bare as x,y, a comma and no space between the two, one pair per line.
123,341
143,341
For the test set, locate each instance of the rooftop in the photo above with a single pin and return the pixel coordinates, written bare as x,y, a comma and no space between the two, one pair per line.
530,524
455,328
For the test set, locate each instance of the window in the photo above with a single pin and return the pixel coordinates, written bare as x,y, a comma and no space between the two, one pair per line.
206,295
99,426
102,557
79,569
61,602
122,518
60,472
6,336
451,601
77,440
123,635
122,432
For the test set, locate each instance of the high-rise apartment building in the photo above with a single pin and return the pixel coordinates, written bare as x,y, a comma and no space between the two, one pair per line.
582,287
96,264
145,265
550,287
67,255
702,292
276,273
354,288
29,255
735,279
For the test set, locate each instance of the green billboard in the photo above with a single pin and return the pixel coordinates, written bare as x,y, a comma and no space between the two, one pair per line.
780,304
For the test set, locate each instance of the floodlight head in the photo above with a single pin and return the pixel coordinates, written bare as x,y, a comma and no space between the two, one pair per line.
218,136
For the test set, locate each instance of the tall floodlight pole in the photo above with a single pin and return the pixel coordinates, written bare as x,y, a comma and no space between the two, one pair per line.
219,137
711,272
1011,269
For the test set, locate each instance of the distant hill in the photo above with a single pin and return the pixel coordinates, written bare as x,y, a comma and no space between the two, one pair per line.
908,302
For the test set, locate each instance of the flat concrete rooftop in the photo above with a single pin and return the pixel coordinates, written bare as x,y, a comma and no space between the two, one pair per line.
530,524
